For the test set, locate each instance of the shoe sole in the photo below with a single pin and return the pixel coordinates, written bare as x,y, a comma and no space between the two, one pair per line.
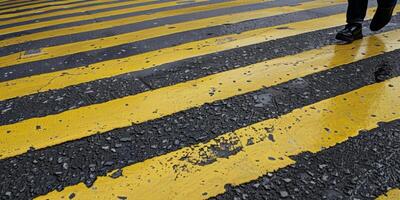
348,39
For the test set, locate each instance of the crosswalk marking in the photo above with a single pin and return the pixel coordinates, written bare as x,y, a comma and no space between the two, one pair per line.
86,9
23,5
39,7
54,144
393,194
37,11
130,20
64,78
118,22
103,14
77,47
85,121
311,128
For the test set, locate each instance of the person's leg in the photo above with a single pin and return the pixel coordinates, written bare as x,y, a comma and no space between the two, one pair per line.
387,3
356,12
383,14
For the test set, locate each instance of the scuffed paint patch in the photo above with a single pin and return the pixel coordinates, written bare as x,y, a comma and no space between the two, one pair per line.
222,147
218,148
31,53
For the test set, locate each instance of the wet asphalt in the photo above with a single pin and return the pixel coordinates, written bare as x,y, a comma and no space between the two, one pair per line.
363,167
103,90
102,153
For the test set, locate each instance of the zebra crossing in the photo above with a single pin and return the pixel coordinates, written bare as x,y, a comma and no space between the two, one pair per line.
203,99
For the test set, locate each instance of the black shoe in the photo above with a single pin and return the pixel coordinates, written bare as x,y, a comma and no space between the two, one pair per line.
381,18
350,33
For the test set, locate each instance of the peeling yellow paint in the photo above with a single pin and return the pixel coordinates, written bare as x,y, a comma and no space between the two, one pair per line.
171,177
85,121
64,78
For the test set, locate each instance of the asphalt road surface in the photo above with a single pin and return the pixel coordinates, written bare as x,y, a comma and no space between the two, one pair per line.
196,99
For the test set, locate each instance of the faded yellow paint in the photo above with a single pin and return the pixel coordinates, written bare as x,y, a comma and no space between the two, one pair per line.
37,11
64,78
233,18
40,16
393,194
302,130
117,12
85,121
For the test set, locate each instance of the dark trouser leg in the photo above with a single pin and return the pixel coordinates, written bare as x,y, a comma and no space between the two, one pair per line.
386,3
357,10
383,14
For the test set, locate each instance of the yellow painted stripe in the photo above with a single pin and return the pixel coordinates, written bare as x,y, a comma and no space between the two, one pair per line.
393,194
177,176
9,60
37,11
64,78
120,39
50,4
68,49
79,10
85,121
